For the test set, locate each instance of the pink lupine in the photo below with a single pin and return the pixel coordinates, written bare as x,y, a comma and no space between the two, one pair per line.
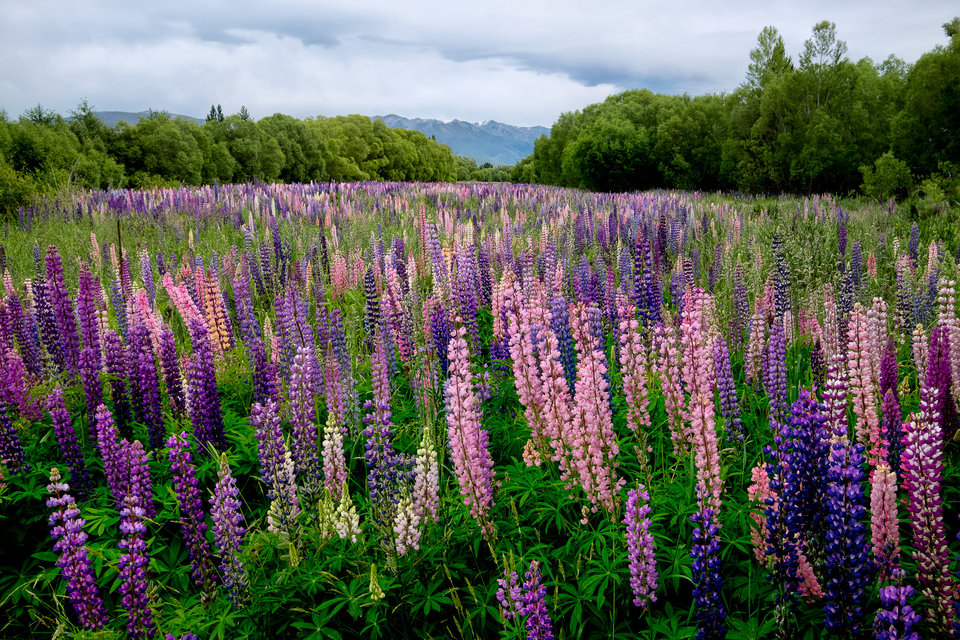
633,364
595,451
469,449
863,384
562,424
527,380
754,355
667,366
698,374
884,522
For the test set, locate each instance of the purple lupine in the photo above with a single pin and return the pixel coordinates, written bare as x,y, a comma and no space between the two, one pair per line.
133,564
371,314
385,470
87,313
146,272
842,233
47,322
136,475
781,278
276,468
66,528
191,510
145,383
111,455
709,607
440,330
848,568
89,368
775,372
25,331
11,448
533,605
67,329
171,370
895,618
115,363
939,377
914,245
641,548
228,532
560,324
266,384
509,595
67,440
205,411
727,391
303,417
119,306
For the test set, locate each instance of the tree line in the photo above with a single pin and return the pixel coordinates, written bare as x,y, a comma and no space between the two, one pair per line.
42,151
821,123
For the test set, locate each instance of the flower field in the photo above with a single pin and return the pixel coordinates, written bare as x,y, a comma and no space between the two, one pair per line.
394,410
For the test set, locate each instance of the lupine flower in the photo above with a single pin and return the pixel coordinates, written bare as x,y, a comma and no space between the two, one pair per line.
347,522
133,565
171,370
276,467
633,364
641,549
303,417
385,472
533,605
145,384
66,528
67,440
884,522
191,510
922,470
228,532
472,462
426,483
67,329
406,527
334,462
87,310
775,372
111,453
895,618
727,390
709,607
89,369
860,346
136,476
939,376
509,595
205,412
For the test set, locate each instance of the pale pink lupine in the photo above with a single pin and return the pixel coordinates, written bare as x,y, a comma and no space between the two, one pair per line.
753,357
831,338
633,364
527,379
877,326
469,448
180,296
426,483
406,527
698,375
334,462
595,452
863,388
667,365
884,521
920,351
947,317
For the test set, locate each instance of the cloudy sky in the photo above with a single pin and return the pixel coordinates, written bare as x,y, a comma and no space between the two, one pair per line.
510,60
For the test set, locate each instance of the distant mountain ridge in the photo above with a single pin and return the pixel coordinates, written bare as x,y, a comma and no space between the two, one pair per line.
111,118
490,141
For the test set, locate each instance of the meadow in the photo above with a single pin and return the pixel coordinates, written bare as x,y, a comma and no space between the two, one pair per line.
394,410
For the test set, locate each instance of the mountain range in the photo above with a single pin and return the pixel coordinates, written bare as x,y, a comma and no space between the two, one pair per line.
490,141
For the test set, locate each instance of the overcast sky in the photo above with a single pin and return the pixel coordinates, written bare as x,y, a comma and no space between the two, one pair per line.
508,60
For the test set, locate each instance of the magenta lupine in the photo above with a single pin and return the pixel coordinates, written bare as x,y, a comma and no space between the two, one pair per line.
67,440
595,451
204,403
863,390
922,471
470,452
641,549
884,521
192,517
69,333
133,565
66,528
939,377
228,532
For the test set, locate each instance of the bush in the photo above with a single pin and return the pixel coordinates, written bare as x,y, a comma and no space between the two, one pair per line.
887,178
